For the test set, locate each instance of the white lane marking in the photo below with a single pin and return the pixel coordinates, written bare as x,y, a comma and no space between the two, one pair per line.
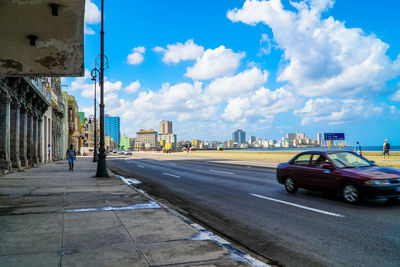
172,163
140,166
176,176
221,172
299,206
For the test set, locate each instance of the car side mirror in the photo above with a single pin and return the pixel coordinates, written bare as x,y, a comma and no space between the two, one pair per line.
327,166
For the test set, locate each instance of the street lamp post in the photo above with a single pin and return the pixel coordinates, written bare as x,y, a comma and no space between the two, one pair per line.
94,78
101,164
94,138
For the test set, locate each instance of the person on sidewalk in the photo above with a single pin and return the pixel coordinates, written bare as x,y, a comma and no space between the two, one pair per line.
357,149
386,148
48,152
71,155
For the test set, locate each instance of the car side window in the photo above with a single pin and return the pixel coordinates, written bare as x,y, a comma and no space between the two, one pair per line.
302,160
318,160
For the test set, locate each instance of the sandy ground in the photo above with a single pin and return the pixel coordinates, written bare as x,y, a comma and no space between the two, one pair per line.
283,156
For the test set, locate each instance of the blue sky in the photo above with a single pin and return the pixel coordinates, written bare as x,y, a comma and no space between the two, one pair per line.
267,67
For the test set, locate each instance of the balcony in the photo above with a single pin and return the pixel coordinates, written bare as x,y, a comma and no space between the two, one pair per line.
40,88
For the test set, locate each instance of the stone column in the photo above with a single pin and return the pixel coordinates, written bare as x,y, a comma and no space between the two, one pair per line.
35,139
40,140
29,139
15,135
23,147
5,163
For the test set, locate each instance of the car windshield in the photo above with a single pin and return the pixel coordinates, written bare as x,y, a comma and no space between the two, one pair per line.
348,160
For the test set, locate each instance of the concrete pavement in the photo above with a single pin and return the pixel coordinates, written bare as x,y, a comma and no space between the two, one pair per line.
50,216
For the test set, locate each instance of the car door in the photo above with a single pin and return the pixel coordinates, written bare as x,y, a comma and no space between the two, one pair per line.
320,178
301,169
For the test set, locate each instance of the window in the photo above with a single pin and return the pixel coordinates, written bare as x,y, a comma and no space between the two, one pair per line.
349,160
318,160
302,160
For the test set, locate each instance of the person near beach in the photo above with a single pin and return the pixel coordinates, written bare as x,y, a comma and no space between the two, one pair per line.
357,148
386,148
71,155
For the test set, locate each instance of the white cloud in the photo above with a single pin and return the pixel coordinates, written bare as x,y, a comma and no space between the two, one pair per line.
110,87
263,104
92,16
133,87
396,95
139,49
136,57
244,82
336,111
266,45
179,52
323,56
215,63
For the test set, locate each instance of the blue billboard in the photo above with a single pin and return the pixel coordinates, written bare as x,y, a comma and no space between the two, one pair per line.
333,136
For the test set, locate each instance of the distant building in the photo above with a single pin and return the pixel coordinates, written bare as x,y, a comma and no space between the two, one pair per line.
124,144
239,136
166,127
146,139
112,128
252,140
164,139
319,139
196,143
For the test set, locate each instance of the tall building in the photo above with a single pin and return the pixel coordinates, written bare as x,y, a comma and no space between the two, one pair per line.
252,140
239,136
112,128
319,139
165,127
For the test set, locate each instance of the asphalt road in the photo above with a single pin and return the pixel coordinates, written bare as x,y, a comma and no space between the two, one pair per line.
250,207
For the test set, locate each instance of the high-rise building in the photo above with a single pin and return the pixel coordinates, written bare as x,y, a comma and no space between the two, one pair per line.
165,127
319,139
239,136
112,128
252,140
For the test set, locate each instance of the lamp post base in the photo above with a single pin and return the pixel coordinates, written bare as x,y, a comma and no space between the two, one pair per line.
95,157
102,166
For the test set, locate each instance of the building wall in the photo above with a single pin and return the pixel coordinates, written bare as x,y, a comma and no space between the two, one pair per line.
112,128
124,144
167,139
166,127
147,139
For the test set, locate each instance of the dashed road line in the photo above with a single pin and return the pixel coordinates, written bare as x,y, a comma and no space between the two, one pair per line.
221,172
176,176
172,164
140,166
299,206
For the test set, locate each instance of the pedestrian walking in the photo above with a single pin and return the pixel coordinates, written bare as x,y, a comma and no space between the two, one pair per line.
48,152
71,155
357,149
386,148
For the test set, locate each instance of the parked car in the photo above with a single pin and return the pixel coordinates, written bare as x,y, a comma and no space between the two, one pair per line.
346,173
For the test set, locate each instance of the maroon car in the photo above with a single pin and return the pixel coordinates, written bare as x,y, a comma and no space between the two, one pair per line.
345,173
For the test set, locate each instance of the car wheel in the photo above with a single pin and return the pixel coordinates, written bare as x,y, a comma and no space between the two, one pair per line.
350,193
290,185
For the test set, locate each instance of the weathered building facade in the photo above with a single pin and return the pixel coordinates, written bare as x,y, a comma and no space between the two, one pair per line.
23,101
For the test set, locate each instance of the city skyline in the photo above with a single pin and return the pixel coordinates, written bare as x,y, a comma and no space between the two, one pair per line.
247,73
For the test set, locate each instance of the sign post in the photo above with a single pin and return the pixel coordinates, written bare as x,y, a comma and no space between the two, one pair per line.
333,136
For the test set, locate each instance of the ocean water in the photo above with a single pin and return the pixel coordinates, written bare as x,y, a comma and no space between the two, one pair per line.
346,148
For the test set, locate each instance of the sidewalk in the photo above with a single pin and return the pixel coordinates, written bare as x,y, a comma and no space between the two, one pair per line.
52,217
